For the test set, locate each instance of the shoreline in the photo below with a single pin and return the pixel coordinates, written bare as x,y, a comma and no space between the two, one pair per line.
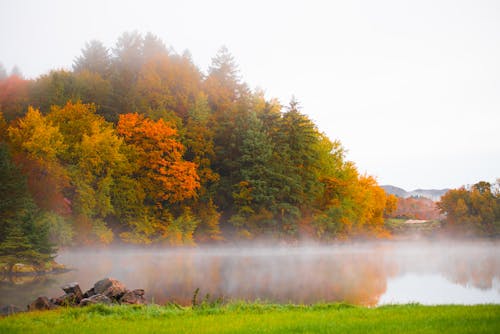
26,269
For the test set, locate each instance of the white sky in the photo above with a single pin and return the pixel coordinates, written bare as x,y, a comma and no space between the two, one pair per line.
411,88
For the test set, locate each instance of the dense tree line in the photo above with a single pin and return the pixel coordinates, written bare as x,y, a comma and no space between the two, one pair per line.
136,144
473,210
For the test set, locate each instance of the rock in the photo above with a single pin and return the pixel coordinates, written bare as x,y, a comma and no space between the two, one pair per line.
72,297
111,288
73,288
89,293
9,310
139,292
21,268
68,299
133,297
41,303
95,299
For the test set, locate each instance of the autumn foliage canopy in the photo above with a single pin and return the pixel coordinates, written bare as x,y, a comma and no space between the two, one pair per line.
138,145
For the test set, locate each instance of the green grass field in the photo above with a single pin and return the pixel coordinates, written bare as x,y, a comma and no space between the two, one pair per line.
258,318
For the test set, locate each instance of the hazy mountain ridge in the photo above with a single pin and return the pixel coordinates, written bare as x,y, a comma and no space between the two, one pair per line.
433,194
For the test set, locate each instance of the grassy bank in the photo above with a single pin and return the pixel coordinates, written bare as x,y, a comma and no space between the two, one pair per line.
400,227
259,318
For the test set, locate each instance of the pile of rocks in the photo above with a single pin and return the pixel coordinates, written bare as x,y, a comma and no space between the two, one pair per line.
106,291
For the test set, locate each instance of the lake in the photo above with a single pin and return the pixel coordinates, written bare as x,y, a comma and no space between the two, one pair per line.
368,274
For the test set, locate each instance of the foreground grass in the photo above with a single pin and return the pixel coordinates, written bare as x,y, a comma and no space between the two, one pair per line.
259,318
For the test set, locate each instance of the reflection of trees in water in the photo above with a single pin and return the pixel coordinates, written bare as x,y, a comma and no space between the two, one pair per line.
474,271
472,263
355,274
21,290
174,275
355,278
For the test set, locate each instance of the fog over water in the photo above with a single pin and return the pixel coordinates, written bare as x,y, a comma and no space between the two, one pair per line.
366,273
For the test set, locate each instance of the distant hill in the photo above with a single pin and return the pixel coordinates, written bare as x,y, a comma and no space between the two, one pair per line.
392,190
433,194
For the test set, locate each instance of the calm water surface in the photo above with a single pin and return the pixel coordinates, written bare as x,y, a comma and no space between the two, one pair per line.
365,274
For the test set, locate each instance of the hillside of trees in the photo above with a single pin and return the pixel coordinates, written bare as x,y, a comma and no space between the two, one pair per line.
138,145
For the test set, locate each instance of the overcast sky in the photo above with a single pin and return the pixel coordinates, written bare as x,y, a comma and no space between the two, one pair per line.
411,88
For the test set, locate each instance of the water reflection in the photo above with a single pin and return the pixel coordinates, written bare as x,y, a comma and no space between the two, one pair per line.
432,289
361,274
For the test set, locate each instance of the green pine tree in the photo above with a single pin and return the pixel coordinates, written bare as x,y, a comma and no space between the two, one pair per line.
23,237
17,248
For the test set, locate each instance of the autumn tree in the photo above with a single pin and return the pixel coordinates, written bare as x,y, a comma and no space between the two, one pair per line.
54,88
472,210
94,159
168,84
38,144
170,178
37,136
349,204
166,177
370,203
335,205
14,96
74,120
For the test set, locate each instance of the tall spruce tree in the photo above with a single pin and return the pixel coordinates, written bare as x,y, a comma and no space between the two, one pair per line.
22,239
95,58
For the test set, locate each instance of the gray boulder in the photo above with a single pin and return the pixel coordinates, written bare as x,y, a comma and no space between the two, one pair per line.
133,297
73,295
111,288
89,293
68,299
73,288
95,299
41,303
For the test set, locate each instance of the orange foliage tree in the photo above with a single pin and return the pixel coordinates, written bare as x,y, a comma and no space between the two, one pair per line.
167,176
